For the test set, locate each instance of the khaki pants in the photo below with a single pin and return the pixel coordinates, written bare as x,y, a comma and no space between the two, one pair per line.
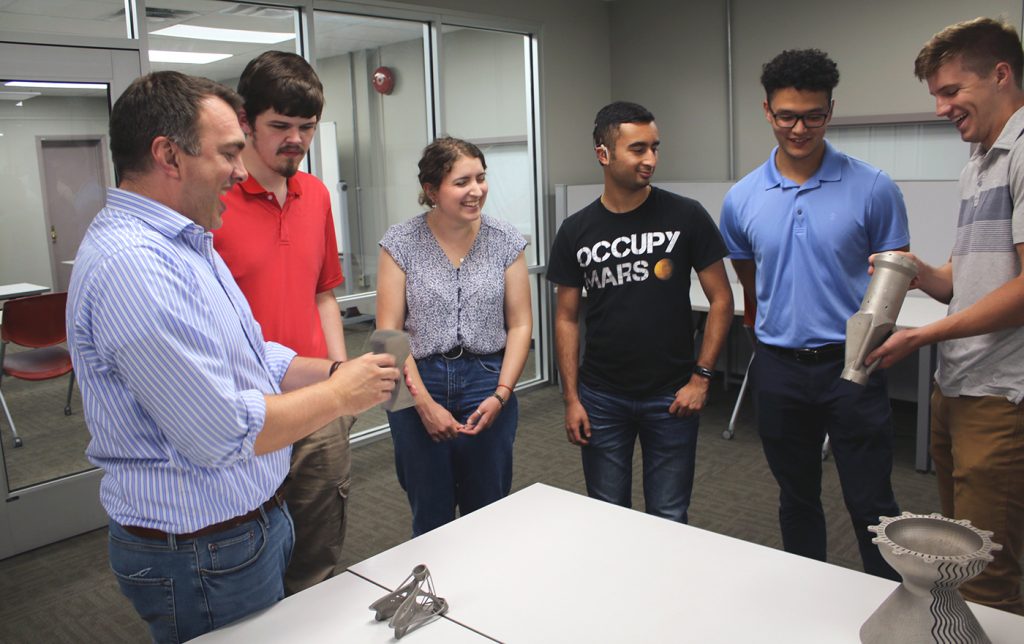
317,494
978,450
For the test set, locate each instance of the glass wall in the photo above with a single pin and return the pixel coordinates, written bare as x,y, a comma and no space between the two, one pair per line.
371,141
62,128
487,96
477,84
372,137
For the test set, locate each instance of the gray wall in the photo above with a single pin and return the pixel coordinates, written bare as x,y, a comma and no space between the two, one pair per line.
673,61
671,56
874,42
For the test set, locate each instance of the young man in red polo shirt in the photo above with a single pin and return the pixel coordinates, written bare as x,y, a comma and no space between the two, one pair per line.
278,240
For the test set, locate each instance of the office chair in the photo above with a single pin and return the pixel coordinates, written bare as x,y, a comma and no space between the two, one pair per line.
749,315
35,322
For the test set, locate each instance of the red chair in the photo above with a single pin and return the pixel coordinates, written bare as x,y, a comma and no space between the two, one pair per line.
35,322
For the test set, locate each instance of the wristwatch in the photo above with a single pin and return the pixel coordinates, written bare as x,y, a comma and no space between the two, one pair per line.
703,371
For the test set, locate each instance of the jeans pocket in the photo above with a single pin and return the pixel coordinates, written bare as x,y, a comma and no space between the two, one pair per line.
490,363
237,550
153,600
244,569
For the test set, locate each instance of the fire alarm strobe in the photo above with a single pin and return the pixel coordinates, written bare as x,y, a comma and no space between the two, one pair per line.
383,80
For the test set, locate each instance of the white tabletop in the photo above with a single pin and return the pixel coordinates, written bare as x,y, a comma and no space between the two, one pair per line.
916,311
21,289
545,565
699,301
333,611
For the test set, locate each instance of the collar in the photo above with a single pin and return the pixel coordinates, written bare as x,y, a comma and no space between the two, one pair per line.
1011,131
168,222
831,169
253,187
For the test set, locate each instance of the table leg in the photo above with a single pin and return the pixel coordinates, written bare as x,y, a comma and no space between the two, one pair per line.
925,374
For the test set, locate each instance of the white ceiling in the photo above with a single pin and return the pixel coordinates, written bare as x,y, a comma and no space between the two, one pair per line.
336,33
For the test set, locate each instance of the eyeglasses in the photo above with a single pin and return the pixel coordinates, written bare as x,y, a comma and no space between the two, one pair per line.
811,121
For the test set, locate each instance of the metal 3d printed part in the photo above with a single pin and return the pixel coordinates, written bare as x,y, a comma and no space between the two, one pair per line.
397,344
869,326
414,603
934,555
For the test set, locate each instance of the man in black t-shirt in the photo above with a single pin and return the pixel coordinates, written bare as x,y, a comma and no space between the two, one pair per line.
633,250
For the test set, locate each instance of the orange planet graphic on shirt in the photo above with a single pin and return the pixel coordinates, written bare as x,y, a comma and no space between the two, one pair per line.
663,269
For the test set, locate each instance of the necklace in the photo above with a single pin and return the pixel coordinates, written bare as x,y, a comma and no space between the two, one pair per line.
450,250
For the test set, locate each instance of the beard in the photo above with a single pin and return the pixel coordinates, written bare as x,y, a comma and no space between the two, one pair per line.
288,168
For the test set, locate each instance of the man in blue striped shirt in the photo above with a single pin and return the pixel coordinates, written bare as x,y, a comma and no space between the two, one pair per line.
183,397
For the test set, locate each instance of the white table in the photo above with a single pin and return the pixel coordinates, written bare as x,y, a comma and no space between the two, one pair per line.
915,312
21,289
334,611
545,565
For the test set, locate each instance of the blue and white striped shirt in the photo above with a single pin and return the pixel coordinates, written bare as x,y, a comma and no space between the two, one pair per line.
173,369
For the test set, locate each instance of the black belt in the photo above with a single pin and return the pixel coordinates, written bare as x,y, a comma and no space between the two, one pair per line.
454,353
277,499
812,355
462,352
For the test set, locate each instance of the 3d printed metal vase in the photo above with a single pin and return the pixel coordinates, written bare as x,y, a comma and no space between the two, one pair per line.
934,555
869,326
414,603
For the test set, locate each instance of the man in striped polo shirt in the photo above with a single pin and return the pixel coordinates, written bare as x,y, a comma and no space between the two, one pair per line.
182,396
974,70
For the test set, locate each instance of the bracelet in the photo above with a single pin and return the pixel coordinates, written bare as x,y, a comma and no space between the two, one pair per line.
334,367
500,399
506,387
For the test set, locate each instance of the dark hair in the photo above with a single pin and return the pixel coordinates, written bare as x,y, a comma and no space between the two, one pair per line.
802,69
609,117
438,159
981,44
160,104
283,81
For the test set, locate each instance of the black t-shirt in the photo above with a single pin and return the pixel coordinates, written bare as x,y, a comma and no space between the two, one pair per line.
635,267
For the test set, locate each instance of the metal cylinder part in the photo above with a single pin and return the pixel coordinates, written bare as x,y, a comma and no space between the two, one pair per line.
875,320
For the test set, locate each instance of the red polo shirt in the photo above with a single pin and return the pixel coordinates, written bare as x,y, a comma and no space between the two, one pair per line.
282,257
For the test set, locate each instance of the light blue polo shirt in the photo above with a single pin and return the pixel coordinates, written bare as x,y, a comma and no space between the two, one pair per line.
811,243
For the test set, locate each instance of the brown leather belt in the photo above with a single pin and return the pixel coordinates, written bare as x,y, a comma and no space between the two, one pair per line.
277,499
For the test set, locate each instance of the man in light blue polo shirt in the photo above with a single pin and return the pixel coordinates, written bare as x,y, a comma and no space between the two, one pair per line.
800,229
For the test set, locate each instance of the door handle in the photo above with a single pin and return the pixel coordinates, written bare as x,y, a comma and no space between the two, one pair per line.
53,234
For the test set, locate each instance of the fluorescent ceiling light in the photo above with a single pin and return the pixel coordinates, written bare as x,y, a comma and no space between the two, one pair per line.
56,85
224,35
186,57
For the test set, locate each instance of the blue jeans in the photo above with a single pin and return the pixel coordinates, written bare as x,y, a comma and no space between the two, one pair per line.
467,472
184,588
668,443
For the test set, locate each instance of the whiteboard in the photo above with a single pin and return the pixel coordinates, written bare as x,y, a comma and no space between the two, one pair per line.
932,209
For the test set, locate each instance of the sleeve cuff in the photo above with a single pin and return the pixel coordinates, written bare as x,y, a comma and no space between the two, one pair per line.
279,357
255,416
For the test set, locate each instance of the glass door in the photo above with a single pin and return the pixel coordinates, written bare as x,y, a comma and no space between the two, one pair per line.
54,170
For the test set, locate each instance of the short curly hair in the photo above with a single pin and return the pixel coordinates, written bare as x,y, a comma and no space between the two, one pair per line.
802,69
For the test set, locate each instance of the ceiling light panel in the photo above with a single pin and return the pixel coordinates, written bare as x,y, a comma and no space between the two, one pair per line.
184,57
224,35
